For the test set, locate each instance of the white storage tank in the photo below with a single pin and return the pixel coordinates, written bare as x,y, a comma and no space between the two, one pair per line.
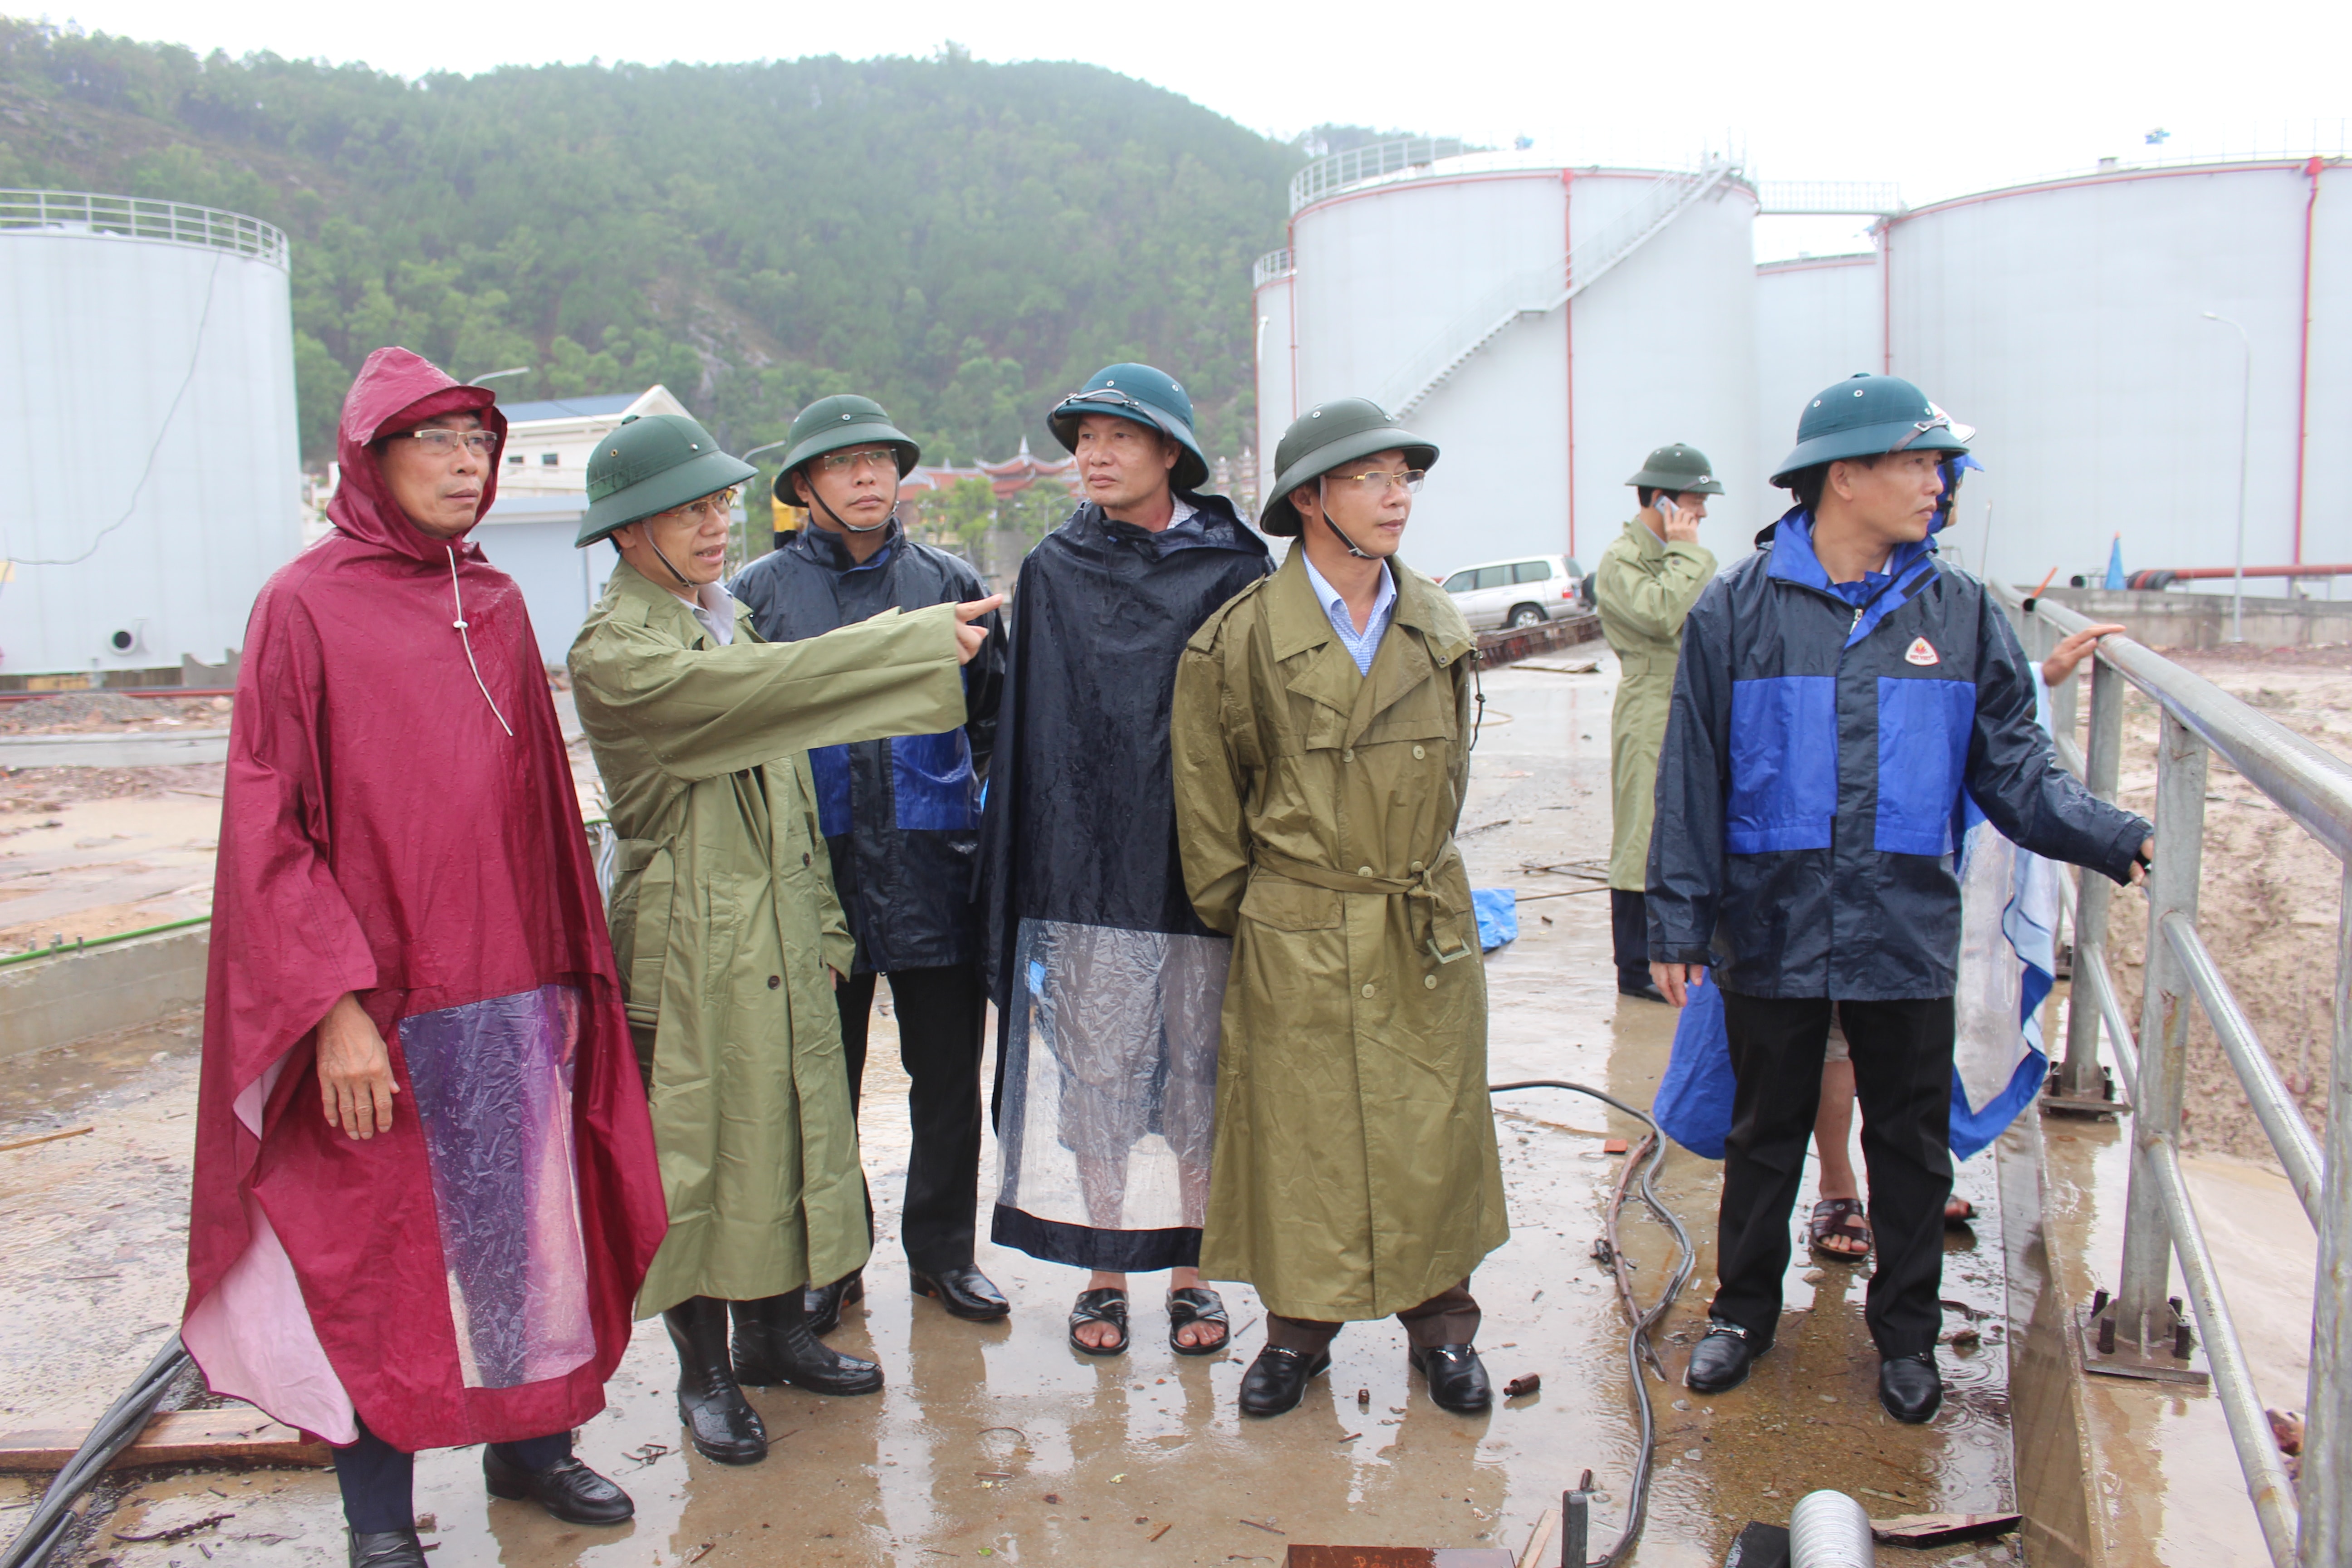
1547,326
148,441
1817,321
2068,321
1270,288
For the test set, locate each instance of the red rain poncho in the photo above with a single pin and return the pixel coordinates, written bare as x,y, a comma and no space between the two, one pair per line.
397,825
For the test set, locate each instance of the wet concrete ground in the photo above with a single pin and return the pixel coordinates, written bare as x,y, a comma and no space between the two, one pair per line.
998,1442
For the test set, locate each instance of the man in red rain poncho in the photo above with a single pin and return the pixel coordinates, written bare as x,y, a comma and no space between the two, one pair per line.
425,1188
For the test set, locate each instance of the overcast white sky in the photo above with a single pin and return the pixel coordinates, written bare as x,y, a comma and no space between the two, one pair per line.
1941,97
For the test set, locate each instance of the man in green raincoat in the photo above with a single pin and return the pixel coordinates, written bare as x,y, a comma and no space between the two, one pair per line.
1649,578
724,920
1320,739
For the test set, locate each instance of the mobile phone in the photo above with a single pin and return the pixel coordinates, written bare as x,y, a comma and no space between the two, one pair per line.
1665,505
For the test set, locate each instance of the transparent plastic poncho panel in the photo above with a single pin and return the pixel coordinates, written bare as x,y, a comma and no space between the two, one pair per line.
493,1086
1111,1076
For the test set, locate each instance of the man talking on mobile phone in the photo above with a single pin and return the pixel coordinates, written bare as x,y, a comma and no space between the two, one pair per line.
1650,577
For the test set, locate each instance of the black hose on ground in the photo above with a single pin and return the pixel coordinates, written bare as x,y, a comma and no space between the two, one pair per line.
116,1430
1642,1322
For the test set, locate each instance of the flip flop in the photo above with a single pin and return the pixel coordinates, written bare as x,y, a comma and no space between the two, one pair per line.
1106,1306
1844,1217
1197,1304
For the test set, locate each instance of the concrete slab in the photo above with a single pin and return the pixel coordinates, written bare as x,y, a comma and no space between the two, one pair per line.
142,751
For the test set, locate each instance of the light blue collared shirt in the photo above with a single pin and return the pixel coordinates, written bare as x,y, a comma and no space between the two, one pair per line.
1361,645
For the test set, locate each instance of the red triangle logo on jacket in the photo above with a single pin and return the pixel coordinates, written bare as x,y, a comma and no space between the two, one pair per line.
1920,652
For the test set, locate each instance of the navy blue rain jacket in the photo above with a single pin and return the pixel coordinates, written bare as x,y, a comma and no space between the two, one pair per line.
900,816
1815,758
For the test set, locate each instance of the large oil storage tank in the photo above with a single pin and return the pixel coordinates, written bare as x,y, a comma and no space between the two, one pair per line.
1818,319
1546,325
2069,321
148,442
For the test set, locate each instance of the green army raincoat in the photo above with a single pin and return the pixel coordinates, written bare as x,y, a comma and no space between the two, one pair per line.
1355,1173
724,920
1644,587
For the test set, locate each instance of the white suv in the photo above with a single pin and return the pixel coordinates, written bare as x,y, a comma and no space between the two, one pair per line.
1521,592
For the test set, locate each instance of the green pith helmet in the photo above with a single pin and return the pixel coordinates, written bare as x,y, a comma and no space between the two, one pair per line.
1327,435
1150,396
1864,417
650,463
1679,470
832,423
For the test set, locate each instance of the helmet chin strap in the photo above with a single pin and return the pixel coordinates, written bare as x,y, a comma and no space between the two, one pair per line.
689,587
840,521
1323,505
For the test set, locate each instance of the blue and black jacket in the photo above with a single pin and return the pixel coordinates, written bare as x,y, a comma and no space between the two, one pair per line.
900,816
1821,741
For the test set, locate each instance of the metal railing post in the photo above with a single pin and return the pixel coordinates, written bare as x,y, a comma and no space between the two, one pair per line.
2102,762
2326,1490
2141,1291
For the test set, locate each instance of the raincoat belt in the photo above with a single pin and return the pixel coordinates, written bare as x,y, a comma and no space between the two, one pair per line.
1422,886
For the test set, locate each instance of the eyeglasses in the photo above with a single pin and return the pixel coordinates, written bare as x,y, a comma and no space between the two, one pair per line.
881,459
717,508
1940,422
443,443
1377,482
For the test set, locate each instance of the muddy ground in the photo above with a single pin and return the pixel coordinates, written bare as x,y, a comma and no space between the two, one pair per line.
2269,898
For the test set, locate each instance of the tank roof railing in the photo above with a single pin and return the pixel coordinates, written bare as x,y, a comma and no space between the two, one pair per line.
2140,1331
1273,264
1356,165
140,217
1857,198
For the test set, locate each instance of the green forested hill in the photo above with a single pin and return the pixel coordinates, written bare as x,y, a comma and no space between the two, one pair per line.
965,241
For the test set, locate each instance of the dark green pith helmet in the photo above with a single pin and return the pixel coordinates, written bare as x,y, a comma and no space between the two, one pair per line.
1865,416
650,463
1150,396
830,423
1679,470
1327,434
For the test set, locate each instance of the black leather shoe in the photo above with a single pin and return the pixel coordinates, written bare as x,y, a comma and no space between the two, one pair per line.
568,1488
387,1549
773,1345
965,1292
822,1304
1647,991
1910,1387
719,1422
1457,1379
1276,1380
1720,1361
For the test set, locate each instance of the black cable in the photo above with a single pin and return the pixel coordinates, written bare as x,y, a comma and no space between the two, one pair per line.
116,1430
1639,1349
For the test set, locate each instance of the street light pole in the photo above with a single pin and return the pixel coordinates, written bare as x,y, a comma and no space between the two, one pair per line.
493,375
2245,432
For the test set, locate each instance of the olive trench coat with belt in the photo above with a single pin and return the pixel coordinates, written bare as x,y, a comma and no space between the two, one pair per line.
724,920
1355,1173
1643,588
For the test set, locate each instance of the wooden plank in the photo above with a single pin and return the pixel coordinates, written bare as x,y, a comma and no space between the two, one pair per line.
238,1433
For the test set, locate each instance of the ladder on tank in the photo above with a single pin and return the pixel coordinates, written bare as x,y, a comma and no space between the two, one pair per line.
1542,289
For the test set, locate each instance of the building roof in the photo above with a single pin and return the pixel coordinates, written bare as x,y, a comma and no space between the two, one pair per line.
569,408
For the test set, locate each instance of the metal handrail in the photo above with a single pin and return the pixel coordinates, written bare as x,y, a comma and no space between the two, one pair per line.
1273,264
1857,198
139,218
2315,789
1356,165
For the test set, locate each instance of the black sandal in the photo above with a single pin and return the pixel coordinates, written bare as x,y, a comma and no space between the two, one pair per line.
1845,1218
1106,1306
1197,1304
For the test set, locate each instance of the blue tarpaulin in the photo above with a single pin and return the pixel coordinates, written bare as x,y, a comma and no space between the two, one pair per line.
1499,916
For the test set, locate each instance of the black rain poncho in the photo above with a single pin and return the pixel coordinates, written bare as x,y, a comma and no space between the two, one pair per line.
1107,986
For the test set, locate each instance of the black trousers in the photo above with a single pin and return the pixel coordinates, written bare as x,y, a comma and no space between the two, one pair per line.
1903,1080
941,1014
378,1482
1629,931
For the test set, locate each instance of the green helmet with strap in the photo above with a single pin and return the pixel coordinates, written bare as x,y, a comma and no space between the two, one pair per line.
1327,434
1146,395
1678,469
1868,416
831,424
650,463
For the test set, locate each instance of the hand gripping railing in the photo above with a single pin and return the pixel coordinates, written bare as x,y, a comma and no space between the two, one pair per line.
2315,789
